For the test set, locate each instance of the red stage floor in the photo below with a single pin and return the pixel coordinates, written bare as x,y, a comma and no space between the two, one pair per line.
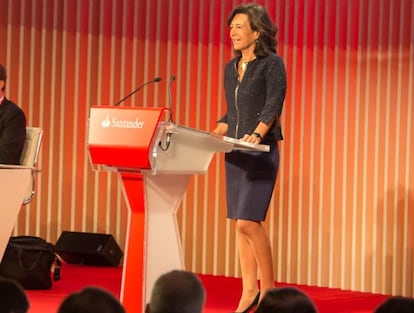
222,292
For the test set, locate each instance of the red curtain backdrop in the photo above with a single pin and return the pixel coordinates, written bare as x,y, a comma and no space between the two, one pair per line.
342,213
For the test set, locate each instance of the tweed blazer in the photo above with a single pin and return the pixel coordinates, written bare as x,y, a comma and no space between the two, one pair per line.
258,97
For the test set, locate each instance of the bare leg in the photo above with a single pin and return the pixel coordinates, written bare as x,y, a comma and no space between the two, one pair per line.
249,273
255,254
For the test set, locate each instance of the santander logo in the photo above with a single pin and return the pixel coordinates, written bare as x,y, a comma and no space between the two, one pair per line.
106,122
115,122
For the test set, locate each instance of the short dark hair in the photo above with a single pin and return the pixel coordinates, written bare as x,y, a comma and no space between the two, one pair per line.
3,74
12,297
260,22
396,304
286,300
177,291
91,300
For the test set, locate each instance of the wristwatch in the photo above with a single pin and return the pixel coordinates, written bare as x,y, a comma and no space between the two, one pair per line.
257,134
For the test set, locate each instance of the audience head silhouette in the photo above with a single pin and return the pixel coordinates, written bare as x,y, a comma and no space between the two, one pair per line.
286,300
177,291
91,300
13,298
396,304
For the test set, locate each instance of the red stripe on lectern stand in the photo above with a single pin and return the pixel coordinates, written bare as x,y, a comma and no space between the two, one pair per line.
133,279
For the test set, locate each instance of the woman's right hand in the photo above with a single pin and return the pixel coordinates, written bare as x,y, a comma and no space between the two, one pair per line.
221,129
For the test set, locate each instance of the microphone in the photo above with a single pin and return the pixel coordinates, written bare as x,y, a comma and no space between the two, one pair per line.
172,78
155,80
168,133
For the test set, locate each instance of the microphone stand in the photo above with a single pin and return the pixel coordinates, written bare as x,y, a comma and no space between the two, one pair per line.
155,80
170,120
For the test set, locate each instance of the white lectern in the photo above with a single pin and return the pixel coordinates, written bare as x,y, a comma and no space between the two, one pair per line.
155,161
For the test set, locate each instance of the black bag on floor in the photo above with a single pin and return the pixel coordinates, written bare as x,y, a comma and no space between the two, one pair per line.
31,261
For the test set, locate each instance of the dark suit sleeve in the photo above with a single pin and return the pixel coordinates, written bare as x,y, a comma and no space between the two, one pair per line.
12,136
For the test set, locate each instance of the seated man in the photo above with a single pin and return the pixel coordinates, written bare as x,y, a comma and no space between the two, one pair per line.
12,126
177,291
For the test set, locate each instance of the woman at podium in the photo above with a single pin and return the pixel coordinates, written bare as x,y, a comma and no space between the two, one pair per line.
12,126
255,88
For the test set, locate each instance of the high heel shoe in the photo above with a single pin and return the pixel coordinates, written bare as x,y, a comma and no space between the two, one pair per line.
254,303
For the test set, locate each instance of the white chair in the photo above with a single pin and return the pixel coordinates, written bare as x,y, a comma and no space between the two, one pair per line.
30,156
18,184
